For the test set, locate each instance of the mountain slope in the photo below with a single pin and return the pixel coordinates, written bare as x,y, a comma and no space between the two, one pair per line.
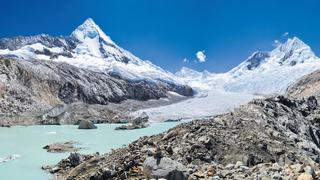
34,87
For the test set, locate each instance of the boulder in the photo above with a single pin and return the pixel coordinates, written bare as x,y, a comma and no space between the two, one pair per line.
142,119
85,124
305,176
75,159
137,123
131,127
173,120
61,147
5,125
166,168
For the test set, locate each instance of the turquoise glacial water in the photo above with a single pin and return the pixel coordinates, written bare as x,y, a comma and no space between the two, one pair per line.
27,142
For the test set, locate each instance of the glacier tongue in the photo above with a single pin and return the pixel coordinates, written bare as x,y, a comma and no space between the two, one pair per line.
204,104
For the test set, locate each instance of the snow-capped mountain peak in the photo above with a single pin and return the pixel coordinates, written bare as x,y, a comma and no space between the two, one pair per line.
292,52
92,40
292,44
274,71
87,47
89,29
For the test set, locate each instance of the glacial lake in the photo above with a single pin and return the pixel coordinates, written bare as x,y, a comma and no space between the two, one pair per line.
26,143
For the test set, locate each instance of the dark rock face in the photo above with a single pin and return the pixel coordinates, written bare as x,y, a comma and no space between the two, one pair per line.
256,140
40,85
256,59
84,124
15,43
165,168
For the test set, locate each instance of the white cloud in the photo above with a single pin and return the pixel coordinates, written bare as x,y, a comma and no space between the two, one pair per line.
201,56
285,34
276,43
185,60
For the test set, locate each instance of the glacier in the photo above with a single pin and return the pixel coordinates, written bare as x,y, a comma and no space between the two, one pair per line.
204,104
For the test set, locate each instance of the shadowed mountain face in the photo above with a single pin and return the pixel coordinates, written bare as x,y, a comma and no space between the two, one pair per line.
35,85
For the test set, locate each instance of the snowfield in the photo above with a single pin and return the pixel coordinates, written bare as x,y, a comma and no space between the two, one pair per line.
205,104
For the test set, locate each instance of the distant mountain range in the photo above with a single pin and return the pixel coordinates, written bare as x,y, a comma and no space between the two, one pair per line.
90,48
263,72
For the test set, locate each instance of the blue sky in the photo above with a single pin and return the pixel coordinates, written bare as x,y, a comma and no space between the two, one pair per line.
167,31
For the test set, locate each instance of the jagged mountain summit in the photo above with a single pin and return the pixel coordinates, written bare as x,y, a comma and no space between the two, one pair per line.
263,72
87,47
291,53
272,72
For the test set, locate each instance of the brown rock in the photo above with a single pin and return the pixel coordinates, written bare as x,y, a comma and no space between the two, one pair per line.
211,171
199,174
61,147
305,176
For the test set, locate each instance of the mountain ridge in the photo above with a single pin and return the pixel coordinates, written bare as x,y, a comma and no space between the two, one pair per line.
265,72
87,47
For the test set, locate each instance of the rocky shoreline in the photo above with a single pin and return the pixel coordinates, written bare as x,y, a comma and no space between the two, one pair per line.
265,138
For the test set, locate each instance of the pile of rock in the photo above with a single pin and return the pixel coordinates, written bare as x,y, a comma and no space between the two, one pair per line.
265,138
72,161
137,123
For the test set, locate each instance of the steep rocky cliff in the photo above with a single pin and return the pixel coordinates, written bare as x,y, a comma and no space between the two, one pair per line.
37,86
